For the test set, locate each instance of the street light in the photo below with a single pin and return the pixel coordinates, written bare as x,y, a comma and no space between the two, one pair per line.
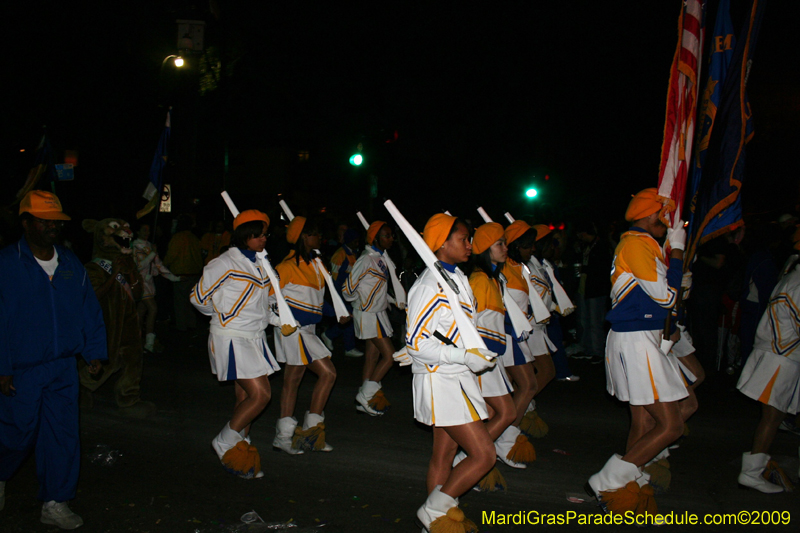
531,193
178,61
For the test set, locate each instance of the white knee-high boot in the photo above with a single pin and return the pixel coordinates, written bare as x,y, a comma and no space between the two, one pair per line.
284,431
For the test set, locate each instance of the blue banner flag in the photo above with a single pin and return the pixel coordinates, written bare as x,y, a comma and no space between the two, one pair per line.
725,128
153,191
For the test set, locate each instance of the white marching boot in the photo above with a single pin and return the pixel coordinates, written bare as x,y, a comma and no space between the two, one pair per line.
365,394
225,440
753,466
503,446
437,504
284,431
614,475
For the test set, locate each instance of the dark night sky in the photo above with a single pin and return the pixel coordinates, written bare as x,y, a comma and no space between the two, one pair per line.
485,98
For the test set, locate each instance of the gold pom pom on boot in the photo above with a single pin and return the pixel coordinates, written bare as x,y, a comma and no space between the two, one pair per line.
607,484
236,454
658,472
312,436
440,514
531,425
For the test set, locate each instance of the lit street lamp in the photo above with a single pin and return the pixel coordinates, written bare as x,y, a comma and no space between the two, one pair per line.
178,61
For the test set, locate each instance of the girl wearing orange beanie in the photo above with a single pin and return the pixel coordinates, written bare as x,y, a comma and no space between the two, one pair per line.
303,286
237,343
447,394
488,285
367,288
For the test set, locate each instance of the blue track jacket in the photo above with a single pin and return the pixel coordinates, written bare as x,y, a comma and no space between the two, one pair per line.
42,320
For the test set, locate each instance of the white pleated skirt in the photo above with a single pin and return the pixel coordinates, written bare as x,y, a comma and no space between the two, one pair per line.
301,347
372,325
494,382
772,379
517,353
237,357
637,371
448,399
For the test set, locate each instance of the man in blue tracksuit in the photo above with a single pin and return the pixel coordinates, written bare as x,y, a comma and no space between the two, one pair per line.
48,314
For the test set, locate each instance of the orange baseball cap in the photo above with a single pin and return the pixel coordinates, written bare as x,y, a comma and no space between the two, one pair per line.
542,230
42,204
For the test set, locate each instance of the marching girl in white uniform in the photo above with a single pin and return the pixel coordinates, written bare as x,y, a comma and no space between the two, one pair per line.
367,288
486,281
234,292
303,287
772,376
645,286
520,353
447,395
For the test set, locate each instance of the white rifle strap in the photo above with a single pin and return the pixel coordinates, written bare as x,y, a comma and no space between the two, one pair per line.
519,321
540,311
484,215
469,333
565,305
399,291
285,314
363,220
284,311
338,304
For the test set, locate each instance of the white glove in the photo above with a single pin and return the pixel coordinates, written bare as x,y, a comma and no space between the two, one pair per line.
677,237
686,281
476,359
402,357
525,335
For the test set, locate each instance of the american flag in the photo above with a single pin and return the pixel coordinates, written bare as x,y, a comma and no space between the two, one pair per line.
681,106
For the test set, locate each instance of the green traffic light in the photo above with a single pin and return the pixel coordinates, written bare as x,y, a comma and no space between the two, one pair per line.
356,160
531,193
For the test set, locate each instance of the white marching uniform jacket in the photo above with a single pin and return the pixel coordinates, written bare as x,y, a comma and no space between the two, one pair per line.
772,372
445,394
538,343
491,311
490,320
303,288
779,329
429,312
366,286
234,291
541,282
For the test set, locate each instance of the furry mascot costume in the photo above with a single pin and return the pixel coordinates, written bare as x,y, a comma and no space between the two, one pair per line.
117,284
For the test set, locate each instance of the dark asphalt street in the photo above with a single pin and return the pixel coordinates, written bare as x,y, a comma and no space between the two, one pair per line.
168,479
